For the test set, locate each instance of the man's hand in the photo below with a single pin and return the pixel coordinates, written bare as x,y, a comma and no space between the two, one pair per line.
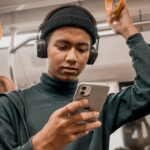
124,24
61,129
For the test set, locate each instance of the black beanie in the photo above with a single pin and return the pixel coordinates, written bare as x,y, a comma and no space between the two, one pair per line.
70,16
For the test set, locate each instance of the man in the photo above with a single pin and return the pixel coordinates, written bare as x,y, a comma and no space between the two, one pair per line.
42,120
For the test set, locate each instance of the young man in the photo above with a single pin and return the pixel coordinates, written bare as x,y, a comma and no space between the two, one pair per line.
42,120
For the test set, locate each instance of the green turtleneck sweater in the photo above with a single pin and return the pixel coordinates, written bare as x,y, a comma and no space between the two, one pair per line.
20,122
49,95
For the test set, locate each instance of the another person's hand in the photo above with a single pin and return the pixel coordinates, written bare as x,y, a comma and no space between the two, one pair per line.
61,129
123,24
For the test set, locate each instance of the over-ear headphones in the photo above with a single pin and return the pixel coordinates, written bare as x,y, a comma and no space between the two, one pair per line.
42,44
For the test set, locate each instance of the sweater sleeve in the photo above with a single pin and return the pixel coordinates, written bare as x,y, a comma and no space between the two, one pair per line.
8,127
26,146
133,102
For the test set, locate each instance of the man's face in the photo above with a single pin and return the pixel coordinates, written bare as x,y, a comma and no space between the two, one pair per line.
68,52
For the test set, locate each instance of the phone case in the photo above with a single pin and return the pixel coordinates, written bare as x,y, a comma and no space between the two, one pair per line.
95,93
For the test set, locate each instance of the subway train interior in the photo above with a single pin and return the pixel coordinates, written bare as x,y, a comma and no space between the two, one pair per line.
20,21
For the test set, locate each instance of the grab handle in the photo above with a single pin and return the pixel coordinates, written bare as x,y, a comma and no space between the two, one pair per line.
109,5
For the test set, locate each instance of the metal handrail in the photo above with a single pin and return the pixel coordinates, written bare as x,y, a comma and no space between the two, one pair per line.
13,50
11,58
144,23
137,24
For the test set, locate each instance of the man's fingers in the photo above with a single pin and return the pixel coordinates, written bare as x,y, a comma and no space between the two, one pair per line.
110,24
113,12
85,116
71,107
114,8
80,134
86,127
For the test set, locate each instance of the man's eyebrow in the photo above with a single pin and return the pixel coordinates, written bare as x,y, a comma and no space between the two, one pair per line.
84,44
65,41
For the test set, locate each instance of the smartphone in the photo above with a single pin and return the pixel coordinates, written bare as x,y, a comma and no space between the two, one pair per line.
95,93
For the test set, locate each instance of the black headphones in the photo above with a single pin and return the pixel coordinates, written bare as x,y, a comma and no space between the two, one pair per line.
42,44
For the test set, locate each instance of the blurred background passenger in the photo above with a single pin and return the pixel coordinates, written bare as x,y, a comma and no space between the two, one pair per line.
6,84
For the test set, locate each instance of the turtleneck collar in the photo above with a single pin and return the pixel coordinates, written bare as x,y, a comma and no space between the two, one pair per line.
55,87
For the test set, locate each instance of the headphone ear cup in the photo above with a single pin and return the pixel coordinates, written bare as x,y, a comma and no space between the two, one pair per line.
41,48
92,57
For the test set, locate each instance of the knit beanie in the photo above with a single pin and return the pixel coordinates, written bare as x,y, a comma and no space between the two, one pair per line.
70,16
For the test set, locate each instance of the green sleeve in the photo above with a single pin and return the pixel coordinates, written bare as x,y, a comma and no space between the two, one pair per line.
133,102
8,128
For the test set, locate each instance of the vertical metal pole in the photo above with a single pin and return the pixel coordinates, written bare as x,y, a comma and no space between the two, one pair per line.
11,56
140,14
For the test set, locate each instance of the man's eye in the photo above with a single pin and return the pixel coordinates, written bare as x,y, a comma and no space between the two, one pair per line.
62,47
83,50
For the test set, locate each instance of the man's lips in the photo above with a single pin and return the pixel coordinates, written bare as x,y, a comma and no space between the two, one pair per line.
70,69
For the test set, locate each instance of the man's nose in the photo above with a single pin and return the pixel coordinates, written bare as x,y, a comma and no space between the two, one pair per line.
72,55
